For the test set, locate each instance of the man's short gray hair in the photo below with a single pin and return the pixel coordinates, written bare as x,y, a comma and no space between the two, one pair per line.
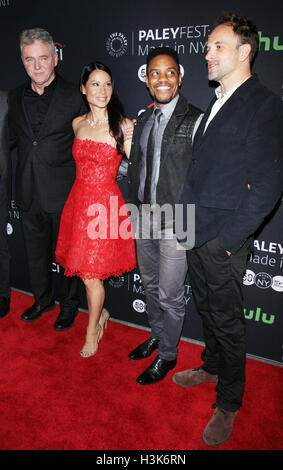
37,34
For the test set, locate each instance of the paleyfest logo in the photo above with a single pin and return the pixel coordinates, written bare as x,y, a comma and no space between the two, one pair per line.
117,44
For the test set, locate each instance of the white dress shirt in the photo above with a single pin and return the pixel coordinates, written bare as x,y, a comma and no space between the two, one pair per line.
221,99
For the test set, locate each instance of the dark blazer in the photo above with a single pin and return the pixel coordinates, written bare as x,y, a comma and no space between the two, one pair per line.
242,146
45,165
176,152
5,160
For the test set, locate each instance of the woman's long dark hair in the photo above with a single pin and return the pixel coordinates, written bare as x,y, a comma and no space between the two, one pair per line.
115,108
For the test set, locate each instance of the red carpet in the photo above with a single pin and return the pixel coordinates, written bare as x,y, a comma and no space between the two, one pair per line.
52,399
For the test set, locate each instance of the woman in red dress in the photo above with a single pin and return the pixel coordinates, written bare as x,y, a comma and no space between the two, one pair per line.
95,239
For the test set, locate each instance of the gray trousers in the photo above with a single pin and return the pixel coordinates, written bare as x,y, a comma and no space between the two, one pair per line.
163,269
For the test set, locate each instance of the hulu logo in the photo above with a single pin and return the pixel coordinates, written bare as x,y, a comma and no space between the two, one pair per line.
267,43
258,316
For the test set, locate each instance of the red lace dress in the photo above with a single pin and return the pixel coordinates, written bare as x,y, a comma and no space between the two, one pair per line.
95,237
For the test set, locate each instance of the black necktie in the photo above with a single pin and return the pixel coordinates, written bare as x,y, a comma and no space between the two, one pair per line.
150,156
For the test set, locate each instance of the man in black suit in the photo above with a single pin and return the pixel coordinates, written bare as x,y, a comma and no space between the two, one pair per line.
159,160
40,120
5,196
235,181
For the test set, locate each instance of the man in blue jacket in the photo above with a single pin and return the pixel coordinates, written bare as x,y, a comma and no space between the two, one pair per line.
235,181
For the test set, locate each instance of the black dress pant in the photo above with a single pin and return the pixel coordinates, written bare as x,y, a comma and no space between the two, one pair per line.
216,280
40,230
5,289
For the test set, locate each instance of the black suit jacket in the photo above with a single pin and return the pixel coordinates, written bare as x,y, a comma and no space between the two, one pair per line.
243,145
5,161
45,167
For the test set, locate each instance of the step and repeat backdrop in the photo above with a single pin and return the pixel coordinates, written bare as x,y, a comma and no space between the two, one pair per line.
120,34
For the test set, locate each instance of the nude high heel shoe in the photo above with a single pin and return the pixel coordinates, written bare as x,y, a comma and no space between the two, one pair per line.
104,317
91,342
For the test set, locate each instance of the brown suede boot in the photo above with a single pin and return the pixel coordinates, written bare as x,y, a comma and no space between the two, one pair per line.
192,377
219,428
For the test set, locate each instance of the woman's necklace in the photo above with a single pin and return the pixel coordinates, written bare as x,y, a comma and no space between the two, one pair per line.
98,123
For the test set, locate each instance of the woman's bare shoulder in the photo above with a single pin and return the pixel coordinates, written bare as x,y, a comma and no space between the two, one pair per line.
76,123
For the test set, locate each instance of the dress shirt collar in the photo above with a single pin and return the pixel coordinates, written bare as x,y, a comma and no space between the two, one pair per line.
48,89
167,109
225,96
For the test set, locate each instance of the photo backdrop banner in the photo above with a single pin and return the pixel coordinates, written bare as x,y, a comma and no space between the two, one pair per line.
120,34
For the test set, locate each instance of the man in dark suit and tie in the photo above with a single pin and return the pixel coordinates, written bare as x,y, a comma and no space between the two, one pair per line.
160,157
234,181
40,120
5,196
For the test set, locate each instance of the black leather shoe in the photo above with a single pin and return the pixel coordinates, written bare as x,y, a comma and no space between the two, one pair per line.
144,350
35,311
66,319
4,306
156,371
